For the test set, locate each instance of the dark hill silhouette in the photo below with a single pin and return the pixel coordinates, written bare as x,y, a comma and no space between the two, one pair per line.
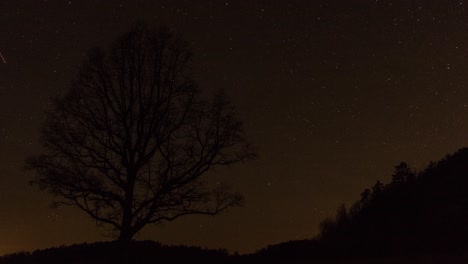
140,252
417,214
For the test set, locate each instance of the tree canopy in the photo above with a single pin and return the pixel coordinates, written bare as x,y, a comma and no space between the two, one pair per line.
131,139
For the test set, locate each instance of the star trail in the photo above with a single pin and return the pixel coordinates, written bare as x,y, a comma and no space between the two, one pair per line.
3,59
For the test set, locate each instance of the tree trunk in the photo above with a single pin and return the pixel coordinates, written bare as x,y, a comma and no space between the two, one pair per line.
125,237
124,251
126,232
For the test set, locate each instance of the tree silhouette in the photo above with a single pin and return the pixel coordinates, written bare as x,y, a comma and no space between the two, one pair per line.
402,173
377,189
130,141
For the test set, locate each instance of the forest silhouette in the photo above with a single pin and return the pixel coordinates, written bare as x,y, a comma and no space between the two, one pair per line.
419,217
419,213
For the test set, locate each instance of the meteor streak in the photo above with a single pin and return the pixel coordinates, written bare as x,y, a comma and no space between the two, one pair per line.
3,59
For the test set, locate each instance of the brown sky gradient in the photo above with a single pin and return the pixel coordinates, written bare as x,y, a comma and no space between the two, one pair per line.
333,94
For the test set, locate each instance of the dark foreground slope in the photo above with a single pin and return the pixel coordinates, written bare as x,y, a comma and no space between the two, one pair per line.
146,252
140,252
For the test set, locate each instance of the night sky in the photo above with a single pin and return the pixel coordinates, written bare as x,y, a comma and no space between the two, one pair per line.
332,93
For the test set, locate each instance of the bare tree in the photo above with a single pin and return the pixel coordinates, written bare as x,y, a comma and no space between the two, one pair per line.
130,141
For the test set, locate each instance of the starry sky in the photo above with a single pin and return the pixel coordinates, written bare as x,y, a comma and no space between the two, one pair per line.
332,93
